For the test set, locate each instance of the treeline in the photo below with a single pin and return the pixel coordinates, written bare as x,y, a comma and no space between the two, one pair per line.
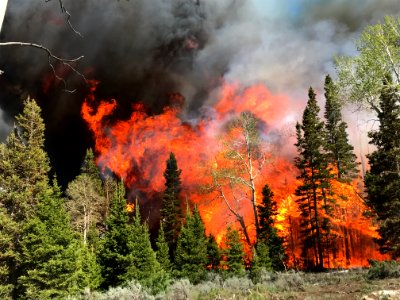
54,244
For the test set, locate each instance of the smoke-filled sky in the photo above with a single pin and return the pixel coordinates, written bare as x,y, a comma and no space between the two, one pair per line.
142,51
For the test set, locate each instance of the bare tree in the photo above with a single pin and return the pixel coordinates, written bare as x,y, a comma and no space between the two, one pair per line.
238,166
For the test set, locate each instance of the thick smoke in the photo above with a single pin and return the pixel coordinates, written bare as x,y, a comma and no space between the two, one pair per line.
145,50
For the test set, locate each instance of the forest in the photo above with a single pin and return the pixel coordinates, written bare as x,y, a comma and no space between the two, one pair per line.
164,198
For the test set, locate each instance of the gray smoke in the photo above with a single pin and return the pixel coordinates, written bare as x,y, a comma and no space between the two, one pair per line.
144,50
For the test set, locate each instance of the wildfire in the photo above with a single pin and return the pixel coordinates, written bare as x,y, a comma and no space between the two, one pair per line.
136,150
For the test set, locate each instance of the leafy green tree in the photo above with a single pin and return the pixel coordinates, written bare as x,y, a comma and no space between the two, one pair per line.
360,77
163,250
171,212
340,151
117,246
213,253
191,251
53,265
85,204
314,200
383,179
268,234
238,167
234,253
24,167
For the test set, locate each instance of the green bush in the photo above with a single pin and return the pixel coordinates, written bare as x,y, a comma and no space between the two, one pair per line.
383,269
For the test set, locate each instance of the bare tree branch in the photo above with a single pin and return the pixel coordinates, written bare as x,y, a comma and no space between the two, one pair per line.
66,62
68,17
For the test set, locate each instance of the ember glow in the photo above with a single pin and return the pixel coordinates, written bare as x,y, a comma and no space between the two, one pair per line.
136,149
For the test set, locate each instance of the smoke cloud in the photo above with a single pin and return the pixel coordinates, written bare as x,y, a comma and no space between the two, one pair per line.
142,51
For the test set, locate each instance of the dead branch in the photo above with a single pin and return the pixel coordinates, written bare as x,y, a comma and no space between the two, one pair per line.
68,17
66,62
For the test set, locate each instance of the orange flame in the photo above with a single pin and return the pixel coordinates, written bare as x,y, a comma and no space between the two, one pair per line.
136,150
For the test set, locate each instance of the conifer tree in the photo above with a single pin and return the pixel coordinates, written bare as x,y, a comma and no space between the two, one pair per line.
213,253
118,239
383,179
234,254
313,194
261,261
163,250
24,167
191,251
54,263
171,212
8,253
340,151
268,234
143,265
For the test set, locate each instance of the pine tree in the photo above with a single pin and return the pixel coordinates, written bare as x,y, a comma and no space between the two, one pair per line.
163,250
24,164
213,253
24,167
261,261
143,265
171,213
234,254
313,194
118,239
8,253
383,179
268,234
53,265
191,251
340,151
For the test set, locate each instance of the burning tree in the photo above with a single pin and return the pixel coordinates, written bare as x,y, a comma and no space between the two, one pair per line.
314,199
171,212
237,167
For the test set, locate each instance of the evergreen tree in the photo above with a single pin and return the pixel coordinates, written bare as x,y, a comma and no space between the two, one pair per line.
24,167
143,265
118,239
340,151
268,234
191,251
234,254
53,265
261,261
24,164
90,168
313,194
383,179
171,213
8,253
213,253
163,250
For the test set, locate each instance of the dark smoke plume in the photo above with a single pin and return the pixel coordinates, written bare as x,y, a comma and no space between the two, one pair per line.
143,51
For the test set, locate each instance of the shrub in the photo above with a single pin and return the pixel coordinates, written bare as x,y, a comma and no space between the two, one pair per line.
289,281
383,269
179,290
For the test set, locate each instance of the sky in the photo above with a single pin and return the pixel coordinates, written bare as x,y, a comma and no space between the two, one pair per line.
142,50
